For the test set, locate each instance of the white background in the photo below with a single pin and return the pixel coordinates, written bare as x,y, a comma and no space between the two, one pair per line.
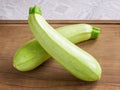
62,9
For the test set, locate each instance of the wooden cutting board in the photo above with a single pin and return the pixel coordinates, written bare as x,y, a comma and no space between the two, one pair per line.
52,76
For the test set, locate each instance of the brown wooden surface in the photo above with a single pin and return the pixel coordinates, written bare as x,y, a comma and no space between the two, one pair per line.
50,75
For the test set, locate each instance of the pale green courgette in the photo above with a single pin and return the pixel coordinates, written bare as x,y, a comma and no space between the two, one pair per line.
81,64
31,54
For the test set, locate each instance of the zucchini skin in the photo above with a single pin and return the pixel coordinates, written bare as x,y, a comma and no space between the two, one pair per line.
81,64
31,54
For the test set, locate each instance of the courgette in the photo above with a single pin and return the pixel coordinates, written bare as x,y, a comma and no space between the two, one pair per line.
77,61
31,54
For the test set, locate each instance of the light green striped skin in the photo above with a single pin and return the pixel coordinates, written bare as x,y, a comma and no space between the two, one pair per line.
81,64
31,54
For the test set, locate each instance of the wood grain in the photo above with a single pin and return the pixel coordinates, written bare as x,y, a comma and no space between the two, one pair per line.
50,75
64,21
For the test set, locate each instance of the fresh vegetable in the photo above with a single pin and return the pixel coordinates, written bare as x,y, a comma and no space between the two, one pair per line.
31,54
81,64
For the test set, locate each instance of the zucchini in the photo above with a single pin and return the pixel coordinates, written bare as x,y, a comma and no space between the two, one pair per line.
77,61
31,54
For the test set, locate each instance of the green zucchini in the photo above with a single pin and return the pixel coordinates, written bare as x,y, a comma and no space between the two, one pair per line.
31,54
81,64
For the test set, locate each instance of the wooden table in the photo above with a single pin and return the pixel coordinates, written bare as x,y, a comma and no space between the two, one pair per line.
50,75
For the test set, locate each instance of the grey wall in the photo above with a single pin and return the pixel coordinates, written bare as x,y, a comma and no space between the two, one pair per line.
62,9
